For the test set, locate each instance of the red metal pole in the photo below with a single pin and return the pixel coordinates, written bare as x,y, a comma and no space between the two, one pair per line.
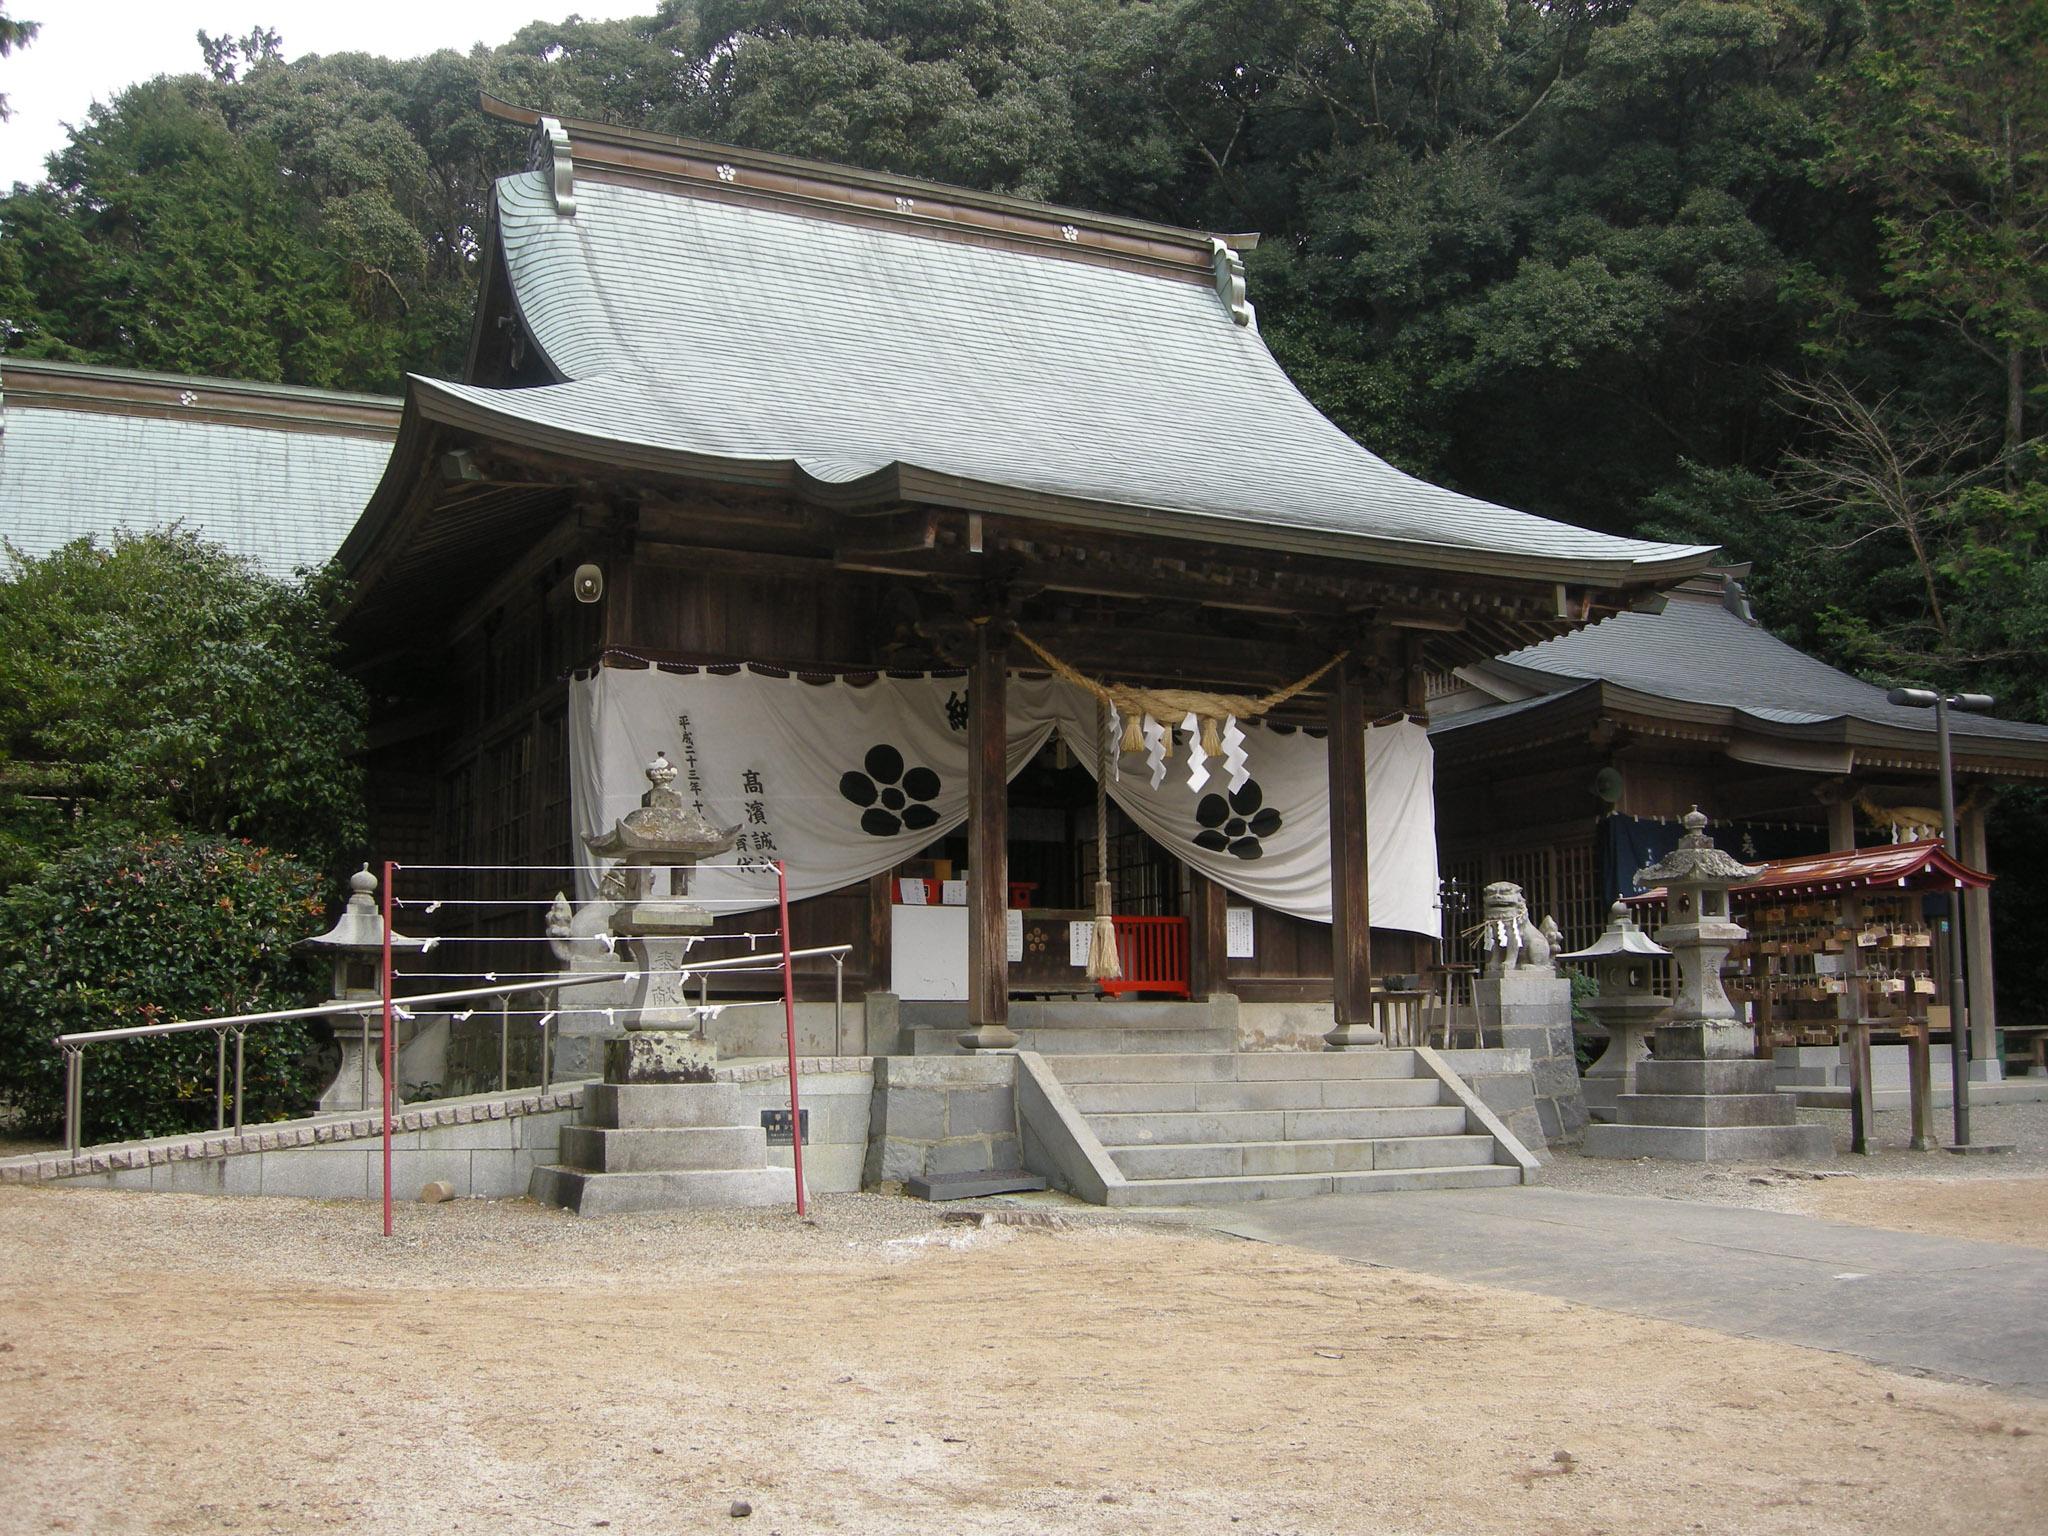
390,870
796,1114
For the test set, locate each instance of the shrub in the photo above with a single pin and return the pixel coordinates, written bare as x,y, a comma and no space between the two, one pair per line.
147,930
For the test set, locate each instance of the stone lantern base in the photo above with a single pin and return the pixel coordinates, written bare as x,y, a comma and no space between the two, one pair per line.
1707,1110
360,1082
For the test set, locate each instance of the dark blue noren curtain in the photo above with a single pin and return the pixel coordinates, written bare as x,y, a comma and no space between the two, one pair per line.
1627,843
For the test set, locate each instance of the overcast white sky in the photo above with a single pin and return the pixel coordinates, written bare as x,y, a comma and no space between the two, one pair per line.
89,50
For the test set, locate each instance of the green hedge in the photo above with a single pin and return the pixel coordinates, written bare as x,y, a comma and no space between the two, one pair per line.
145,931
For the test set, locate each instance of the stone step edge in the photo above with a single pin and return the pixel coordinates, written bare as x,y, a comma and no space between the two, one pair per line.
1489,1161
36,1167
1135,1191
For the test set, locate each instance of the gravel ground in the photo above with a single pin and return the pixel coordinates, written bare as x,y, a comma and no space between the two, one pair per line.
2023,1126
193,1365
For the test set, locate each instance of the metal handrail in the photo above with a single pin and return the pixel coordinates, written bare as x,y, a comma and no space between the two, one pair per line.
74,1044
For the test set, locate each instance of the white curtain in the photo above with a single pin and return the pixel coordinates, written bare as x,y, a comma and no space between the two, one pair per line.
844,780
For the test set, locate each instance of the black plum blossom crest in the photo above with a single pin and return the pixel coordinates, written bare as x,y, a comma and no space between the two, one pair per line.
894,799
1236,824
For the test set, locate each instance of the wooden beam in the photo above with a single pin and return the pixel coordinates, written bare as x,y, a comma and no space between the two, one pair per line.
988,827
912,532
1350,897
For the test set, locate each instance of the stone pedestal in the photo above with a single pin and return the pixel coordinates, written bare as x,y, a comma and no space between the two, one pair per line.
359,1084
659,1056
660,1134
1700,1110
1628,1019
1531,1010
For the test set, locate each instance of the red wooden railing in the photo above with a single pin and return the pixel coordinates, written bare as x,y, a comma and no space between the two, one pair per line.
1154,951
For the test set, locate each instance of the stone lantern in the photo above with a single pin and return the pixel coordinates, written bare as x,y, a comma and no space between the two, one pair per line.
356,943
1704,1097
665,1040
662,833
1704,1024
1625,1007
357,949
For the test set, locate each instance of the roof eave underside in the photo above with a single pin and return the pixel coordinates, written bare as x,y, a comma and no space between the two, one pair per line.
1593,696
900,482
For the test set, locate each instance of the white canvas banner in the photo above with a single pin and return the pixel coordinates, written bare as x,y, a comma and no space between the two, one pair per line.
838,780
1270,841
843,781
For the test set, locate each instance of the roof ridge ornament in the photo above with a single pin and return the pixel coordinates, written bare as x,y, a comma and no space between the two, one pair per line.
551,154
1230,283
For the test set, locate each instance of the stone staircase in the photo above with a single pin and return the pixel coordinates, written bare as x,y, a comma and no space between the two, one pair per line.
1205,1127
661,1146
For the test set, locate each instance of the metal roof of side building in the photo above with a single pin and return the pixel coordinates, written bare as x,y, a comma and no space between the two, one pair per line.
858,339
277,474
1705,658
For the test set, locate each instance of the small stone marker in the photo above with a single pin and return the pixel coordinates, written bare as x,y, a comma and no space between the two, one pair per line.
740,1509
435,1191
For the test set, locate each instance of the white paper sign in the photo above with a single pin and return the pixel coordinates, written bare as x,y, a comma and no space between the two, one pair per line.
953,893
909,892
1080,937
1013,931
1237,934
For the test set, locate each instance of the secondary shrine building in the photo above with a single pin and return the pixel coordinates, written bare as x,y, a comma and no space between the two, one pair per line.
912,512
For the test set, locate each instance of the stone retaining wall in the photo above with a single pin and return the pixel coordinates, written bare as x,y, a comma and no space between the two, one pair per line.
942,1114
486,1147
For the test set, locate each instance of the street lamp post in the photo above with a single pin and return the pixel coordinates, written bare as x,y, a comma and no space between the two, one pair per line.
1958,1011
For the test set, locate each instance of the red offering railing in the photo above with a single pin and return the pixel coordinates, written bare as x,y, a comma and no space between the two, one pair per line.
1154,951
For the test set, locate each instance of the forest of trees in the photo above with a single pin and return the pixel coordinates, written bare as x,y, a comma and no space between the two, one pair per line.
1764,273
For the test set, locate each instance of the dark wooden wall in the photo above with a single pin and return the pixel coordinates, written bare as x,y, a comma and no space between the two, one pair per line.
471,767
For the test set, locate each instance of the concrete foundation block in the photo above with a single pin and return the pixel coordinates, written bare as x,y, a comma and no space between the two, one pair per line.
319,1173
828,1170
899,1159
981,1112
612,1194
500,1173
601,1149
1697,1076
1714,1109
1703,1144
634,1106
971,1155
410,1170
916,1114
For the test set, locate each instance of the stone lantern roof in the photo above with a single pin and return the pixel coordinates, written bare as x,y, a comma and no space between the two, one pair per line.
360,928
1622,937
1696,861
663,830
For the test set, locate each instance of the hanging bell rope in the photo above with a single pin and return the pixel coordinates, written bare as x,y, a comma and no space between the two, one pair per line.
1104,962
1173,704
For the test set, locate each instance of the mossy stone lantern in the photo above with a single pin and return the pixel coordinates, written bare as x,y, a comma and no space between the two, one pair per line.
356,944
1696,876
1625,1006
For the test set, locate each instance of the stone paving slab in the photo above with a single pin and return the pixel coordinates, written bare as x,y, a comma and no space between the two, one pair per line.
1927,1305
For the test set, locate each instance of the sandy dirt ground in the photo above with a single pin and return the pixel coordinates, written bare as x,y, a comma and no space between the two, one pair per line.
184,1364
2000,1198
1998,1210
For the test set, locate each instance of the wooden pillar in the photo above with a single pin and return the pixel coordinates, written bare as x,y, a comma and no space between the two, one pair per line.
881,930
1208,936
1350,912
1970,843
1842,822
988,853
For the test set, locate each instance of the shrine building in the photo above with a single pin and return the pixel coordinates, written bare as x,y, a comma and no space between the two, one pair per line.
872,503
